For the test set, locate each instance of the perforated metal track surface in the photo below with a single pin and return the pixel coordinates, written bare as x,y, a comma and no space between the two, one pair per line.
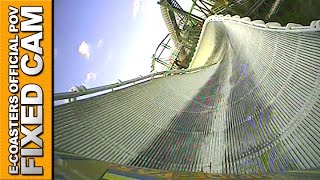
256,111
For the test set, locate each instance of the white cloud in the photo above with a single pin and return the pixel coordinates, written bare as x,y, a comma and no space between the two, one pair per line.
91,76
100,43
137,6
84,50
109,54
56,52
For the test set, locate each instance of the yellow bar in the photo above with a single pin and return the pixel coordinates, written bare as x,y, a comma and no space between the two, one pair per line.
25,24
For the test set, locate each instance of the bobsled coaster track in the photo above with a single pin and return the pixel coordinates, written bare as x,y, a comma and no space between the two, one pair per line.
249,103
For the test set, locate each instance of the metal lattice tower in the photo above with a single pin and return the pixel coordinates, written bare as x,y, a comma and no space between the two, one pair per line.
185,26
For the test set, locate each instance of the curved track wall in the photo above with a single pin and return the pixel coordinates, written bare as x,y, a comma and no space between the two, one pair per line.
256,110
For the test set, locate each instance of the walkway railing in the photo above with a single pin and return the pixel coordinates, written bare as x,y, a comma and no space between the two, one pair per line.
112,87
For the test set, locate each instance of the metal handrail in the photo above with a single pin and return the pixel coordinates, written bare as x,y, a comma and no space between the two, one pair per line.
68,95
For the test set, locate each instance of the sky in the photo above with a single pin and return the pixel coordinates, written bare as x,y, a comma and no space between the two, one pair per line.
97,44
